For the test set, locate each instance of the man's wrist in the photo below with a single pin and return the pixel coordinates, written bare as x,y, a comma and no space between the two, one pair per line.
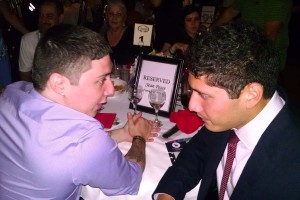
140,138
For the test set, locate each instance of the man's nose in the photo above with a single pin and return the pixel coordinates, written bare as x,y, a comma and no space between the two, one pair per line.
195,103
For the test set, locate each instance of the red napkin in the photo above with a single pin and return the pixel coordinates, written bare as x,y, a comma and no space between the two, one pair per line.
107,119
186,121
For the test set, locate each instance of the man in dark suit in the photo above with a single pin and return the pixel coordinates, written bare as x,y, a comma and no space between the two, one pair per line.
233,72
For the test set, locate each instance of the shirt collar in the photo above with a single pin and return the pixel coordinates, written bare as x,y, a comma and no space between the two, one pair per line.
253,130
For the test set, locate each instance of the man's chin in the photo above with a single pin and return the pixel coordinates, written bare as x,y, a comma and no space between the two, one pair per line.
94,113
214,128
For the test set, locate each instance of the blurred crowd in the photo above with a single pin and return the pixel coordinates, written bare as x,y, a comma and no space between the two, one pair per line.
176,24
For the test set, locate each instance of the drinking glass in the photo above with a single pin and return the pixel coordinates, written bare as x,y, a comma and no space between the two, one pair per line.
157,98
135,94
116,72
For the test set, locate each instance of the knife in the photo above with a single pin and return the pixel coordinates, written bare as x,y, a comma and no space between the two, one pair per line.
170,132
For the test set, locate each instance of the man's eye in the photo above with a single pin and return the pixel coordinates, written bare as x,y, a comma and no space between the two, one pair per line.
203,95
101,81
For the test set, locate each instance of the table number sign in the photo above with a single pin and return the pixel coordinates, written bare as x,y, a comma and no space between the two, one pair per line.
142,34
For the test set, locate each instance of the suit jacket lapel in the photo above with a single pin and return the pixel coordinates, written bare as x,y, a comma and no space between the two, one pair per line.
262,155
255,166
209,176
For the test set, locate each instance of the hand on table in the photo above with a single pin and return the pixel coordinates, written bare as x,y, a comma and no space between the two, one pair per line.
135,126
139,126
182,46
164,197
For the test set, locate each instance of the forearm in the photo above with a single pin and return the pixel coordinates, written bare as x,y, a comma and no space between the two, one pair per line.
137,152
186,172
12,19
17,24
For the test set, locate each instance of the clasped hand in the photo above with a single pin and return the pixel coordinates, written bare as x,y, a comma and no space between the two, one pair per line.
135,126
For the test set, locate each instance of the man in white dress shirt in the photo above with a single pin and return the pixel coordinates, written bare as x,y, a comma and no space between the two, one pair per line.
233,72
51,13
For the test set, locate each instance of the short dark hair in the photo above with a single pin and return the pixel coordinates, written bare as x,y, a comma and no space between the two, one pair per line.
68,50
57,3
189,9
234,55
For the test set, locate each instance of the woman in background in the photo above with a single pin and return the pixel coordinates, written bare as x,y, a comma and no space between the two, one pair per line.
119,36
167,15
190,30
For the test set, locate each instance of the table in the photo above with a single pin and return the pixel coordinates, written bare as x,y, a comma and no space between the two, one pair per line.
157,157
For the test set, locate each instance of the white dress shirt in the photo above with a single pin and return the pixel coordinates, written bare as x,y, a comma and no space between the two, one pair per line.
27,48
249,136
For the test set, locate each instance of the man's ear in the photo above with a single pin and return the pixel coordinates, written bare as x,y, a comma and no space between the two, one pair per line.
57,83
252,94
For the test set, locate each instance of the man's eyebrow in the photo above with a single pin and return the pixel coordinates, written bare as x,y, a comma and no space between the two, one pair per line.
198,91
103,75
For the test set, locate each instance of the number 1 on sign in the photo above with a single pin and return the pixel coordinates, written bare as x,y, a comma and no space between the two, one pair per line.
142,39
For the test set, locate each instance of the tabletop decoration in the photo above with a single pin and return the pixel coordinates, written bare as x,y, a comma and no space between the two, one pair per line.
106,119
188,122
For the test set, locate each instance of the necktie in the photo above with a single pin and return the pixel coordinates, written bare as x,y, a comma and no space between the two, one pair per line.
233,140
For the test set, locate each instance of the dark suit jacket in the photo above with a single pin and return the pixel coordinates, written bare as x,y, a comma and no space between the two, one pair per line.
271,173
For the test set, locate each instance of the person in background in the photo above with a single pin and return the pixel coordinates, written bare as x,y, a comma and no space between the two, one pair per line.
191,27
233,72
144,8
7,15
72,12
271,15
51,12
50,142
167,19
133,16
119,35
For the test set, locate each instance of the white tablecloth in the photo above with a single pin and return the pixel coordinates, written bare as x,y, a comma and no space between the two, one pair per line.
157,157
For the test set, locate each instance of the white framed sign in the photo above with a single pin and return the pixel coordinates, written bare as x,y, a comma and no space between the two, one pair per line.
142,34
158,72
207,15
